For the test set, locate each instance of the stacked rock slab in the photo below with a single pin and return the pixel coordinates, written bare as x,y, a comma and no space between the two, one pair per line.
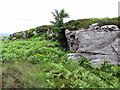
99,44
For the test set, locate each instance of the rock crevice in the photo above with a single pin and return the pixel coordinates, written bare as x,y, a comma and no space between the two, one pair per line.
99,44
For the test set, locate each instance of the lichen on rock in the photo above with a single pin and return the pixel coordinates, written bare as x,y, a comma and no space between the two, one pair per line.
97,44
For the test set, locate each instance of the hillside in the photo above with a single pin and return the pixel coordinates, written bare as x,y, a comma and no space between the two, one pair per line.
37,58
71,25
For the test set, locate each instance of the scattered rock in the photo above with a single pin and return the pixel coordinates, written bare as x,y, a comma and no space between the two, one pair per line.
35,33
110,27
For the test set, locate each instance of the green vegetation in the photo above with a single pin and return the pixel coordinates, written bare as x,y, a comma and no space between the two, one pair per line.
39,63
59,17
71,25
60,27
84,23
38,60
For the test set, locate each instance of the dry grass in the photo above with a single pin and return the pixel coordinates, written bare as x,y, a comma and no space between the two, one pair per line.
0,75
18,75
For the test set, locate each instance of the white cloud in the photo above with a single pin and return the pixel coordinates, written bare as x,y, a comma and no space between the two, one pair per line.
20,15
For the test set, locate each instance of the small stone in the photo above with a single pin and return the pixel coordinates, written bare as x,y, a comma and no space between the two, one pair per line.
75,56
94,25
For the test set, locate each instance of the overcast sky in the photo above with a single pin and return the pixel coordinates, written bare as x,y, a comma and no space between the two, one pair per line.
20,15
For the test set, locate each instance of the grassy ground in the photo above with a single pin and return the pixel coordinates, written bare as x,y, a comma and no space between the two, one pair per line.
51,75
0,75
19,75
39,63
85,23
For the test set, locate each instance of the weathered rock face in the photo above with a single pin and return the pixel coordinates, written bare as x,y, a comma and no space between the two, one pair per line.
96,43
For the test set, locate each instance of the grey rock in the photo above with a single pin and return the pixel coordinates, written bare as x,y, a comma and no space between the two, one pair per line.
51,34
14,38
24,35
75,56
110,27
4,39
97,45
48,31
35,33
94,25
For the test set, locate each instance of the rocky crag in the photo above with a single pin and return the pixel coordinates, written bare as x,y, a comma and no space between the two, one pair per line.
99,44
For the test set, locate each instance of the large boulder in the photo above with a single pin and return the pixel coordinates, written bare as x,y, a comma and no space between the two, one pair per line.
99,44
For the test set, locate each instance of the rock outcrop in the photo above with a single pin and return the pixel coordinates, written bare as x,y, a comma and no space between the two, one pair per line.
99,44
